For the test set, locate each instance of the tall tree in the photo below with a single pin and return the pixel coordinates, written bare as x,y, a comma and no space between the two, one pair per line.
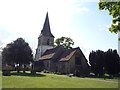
114,10
112,62
7,57
17,52
96,59
104,62
65,41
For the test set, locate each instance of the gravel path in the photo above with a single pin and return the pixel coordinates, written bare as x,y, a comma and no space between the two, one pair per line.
103,80
88,78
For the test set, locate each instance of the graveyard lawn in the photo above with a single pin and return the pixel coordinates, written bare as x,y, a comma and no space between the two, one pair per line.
41,80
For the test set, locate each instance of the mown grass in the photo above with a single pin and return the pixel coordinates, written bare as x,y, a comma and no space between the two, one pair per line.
51,81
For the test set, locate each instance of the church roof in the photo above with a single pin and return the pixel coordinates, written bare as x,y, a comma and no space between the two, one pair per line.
46,31
60,52
49,53
67,54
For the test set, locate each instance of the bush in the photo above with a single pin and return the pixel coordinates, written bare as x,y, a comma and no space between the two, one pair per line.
6,73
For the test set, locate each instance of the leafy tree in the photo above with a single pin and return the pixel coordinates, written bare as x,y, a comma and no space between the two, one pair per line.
112,62
104,62
17,52
114,10
6,55
96,59
65,41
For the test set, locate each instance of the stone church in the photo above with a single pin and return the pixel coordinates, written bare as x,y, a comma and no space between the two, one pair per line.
45,39
59,59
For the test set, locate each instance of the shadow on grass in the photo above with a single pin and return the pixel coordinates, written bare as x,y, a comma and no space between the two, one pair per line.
27,74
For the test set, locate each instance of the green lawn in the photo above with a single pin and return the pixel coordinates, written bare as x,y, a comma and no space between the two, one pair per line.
52,81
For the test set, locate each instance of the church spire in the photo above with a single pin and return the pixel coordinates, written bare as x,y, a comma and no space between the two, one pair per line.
46,27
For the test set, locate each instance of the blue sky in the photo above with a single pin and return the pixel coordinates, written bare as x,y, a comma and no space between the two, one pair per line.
93,28
79,20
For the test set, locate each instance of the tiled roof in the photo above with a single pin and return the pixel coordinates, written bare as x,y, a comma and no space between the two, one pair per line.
64,56
49,53
67,54
48,56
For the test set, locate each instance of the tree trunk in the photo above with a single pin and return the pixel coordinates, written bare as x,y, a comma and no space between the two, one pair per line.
17,68
24,69
18,71
33,72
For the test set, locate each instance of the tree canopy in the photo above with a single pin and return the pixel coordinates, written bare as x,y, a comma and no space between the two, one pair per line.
17,52
104,62
96,59
114,10
112,61
64,41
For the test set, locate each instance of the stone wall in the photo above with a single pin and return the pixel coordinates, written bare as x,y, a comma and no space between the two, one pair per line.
69,66
40,50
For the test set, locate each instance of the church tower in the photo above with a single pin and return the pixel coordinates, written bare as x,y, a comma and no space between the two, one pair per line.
45,39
